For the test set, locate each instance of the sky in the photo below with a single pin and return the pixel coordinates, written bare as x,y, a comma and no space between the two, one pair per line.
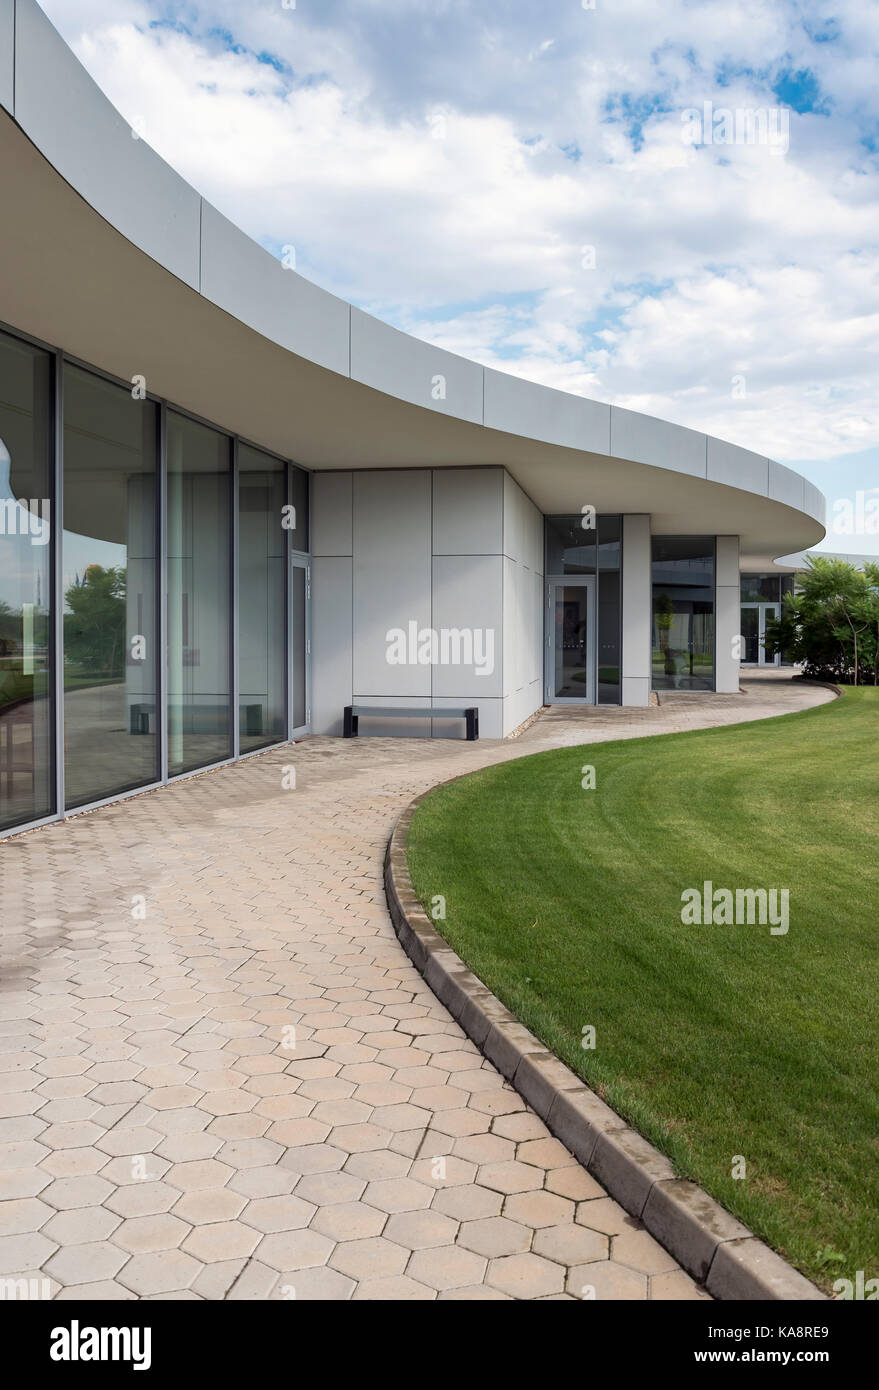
540,186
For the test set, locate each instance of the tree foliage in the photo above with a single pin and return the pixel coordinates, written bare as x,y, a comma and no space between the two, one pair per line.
94,628
831,623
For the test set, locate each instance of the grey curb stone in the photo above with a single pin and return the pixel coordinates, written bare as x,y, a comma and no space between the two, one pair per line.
627,1165
748,1269
715,1248
698,1222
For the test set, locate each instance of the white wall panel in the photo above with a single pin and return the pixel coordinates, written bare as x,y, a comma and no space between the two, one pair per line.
468,511
636,610
392,576
332,514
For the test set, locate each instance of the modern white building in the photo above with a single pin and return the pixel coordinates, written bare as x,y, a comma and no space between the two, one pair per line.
233,504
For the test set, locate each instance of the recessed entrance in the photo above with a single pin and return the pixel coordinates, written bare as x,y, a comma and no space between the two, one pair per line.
754,616
570,635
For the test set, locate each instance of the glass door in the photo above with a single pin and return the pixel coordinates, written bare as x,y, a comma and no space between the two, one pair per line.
754,617
300,645
570,628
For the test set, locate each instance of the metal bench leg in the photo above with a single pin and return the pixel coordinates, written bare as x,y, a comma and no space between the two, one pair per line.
472,717
349,727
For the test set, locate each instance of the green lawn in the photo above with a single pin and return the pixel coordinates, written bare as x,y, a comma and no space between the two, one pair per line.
714,1041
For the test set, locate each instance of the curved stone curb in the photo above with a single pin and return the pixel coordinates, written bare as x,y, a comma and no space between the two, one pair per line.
711,1245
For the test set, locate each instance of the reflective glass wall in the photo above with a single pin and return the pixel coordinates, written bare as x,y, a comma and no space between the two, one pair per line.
575,549
683,613
163,627
27,786
262,598
109,586
199,595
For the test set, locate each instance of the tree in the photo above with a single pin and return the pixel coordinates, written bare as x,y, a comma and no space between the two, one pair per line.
94,629
831,623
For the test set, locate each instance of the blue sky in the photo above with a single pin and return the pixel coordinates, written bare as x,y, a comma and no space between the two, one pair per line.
513,181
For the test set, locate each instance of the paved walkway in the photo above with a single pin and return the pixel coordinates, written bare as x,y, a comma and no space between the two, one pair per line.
220,1076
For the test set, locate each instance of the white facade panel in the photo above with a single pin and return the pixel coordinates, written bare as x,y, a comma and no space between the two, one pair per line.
332,512
636,604
539,412
727,620
392,577
468,608
242,278
644,439
7,55
727,463
402,366
119,175
468,511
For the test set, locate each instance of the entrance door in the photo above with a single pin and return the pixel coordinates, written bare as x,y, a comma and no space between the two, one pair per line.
300,645
754,616
570,635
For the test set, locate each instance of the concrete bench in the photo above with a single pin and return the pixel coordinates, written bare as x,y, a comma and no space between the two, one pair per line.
353,714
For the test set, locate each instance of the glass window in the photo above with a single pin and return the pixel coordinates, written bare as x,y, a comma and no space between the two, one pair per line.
683,612
299,500
199,595
111,735
262,599
760,588
26,772
609,689
570,547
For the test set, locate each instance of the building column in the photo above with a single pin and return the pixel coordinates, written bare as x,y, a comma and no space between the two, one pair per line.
727,616
636,610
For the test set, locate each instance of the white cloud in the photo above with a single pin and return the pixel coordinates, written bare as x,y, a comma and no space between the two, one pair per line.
558,129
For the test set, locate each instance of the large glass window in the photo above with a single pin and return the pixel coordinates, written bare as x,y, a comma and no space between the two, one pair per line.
262,598
26,772
683,612
111,726
199,595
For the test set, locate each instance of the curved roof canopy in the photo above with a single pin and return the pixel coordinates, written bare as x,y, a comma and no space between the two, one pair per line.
111,256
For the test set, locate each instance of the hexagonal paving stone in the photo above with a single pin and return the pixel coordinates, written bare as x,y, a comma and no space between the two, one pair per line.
526,1276
201,1173
349,1221
221,1240
141,1235
605,1279
142,1199
65,1193
281,1213
539,1209
571,1245
420,1230
290,1250
638,1250
495,1236
449,1267
26,1214
468,1203
326,1188
398,1194
369,1259
393,1290
86,1264
166,1271
510,1177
